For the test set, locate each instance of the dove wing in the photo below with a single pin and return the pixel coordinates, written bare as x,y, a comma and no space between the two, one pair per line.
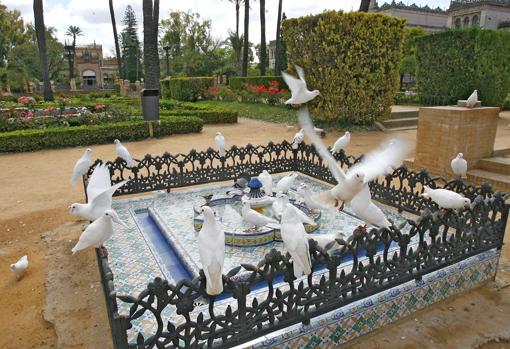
382,160
362,199
98,182
306,124
301,73
104,198
295,85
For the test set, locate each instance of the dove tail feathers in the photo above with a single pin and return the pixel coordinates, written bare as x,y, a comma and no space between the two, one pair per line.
78,247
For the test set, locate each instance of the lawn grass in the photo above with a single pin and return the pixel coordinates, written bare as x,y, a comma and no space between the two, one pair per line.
272,113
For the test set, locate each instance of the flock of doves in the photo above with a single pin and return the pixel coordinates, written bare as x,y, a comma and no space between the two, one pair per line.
351,188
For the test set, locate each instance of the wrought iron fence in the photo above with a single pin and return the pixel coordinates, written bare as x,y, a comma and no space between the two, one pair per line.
444,237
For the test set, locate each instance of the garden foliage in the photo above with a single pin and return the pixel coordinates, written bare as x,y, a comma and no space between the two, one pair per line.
451,64
186,89
353,59
239,83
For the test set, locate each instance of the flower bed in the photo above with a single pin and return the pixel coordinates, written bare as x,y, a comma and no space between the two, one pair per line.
271,94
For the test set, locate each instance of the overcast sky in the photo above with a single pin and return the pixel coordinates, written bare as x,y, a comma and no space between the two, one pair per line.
93,16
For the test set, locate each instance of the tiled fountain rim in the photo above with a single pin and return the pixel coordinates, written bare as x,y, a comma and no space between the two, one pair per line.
169,171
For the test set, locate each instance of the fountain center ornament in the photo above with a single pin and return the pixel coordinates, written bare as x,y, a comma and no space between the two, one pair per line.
256,197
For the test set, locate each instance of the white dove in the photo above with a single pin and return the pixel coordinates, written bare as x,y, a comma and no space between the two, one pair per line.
445,198
220,143
459,166
472,99
123,153
211,246
267,182
324,239
367,211
253,217
298,89
20,266
374,164
280,204
299,137
296,241
98,232
99,194
286,183
308,198
341,143
82,166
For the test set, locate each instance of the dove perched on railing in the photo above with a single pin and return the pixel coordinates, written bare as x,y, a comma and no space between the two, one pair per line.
459,166
296,241
445,198
472,99
220,143
211,246
299,92
123,153
341,143
82,166
99,195
299,137
98,232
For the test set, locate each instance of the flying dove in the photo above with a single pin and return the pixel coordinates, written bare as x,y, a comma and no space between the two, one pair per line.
299,92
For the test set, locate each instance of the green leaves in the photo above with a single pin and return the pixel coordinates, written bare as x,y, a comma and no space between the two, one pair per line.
187,89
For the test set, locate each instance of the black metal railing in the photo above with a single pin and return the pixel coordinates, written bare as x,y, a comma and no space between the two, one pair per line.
444,237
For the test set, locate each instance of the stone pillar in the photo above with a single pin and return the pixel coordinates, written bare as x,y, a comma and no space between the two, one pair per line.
224,80
445,131
138,87
72,84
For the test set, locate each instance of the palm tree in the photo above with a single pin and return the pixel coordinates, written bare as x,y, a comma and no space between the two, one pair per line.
246,45
263,52
364,6
150,43
116,39
237,3
237,48
73,31
40,31
278,39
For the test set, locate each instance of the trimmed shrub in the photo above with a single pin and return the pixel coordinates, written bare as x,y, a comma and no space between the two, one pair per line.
208,113
353,59
29,140
187,89
451,64
239,83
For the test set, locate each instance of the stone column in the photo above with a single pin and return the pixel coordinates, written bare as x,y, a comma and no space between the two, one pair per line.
72,84
138,87
445,131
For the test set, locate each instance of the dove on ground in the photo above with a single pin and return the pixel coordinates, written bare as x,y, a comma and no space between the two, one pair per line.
20,266
98,232
267,182
296,241
220,143
286,183
299,92
211,246
299,137
82,166
376,163
341,143
472,99
253,217
367,211
99,195
124,154
445,198
459,166
324,239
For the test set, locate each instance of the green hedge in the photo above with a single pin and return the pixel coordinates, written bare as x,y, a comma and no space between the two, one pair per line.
210,114
352,58
29,140
239,83
451,64
186,89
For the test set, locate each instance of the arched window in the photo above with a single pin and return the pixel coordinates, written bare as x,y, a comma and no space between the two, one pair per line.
89,78
475,22
457,23
466,22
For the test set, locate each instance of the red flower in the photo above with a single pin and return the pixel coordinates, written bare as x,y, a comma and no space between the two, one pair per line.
100,107
261,88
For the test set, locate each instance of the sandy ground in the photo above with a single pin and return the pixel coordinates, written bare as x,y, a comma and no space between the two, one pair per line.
59,302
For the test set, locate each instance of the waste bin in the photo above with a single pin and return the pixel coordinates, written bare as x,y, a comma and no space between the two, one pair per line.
150,104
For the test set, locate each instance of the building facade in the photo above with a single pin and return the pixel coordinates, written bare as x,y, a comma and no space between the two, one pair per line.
94,71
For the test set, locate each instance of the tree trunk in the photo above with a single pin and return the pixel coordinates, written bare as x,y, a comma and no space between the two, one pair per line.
40,31
116,39
278,39
263,52
364,6
150,44
237,20
246,45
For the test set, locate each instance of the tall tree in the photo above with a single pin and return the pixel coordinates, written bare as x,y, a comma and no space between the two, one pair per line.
278,39
11,33
246,45
364,6
150,43
116,39
40,31
237,48
263,49
73,31
130,46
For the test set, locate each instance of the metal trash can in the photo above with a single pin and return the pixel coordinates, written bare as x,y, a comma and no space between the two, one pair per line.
150,104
